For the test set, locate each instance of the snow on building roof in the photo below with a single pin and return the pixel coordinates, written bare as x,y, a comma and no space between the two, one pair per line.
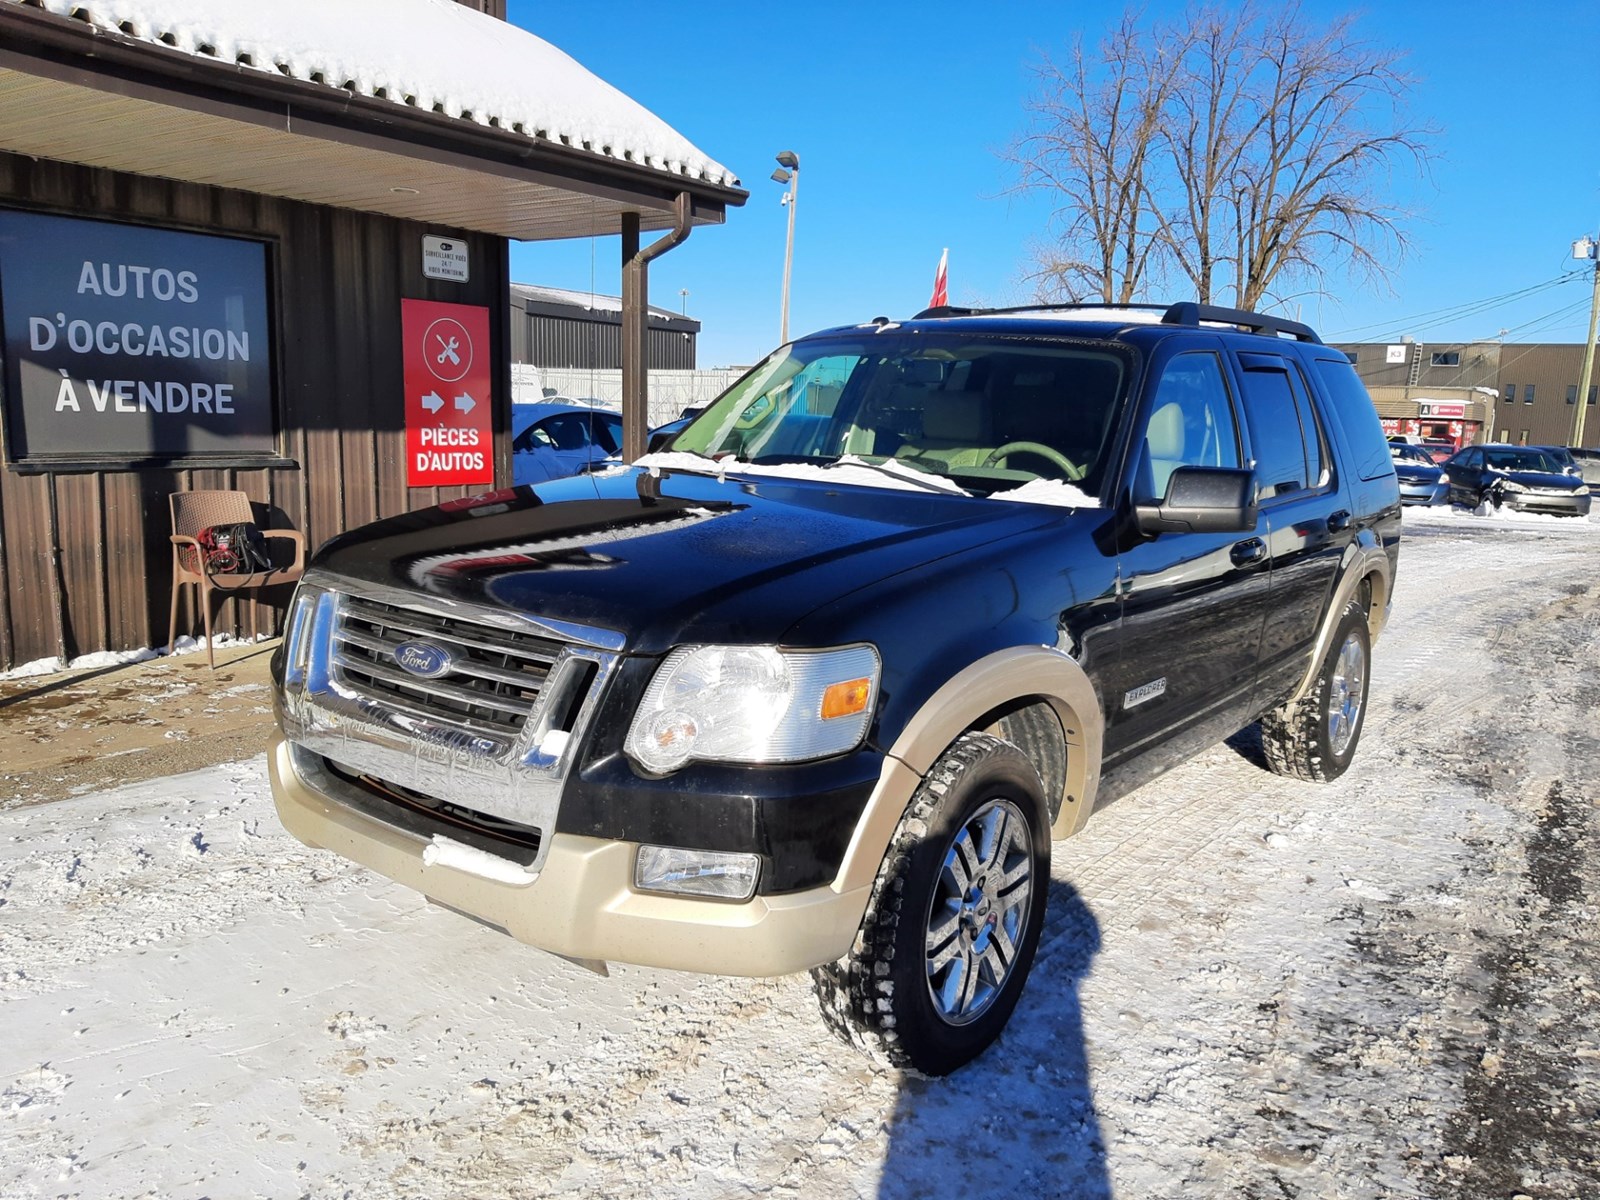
435,55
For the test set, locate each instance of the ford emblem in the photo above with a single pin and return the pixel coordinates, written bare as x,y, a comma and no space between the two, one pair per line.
424,659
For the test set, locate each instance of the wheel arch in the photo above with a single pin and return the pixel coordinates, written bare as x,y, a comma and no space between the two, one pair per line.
1021,690
1367,577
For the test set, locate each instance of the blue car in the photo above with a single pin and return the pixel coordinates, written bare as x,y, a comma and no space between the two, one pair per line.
1421,482
553,440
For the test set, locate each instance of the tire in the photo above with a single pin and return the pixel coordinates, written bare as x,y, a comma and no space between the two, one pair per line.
1315,738
980,807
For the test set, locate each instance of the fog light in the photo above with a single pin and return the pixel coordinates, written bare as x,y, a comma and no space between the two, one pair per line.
696,872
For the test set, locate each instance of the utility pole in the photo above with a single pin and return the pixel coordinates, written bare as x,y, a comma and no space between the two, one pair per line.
1585,247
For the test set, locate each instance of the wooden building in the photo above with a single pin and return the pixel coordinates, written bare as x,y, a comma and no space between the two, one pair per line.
212,253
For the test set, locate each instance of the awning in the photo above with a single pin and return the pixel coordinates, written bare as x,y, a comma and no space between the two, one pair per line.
420,109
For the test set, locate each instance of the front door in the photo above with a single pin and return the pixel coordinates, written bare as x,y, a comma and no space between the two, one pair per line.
1192,604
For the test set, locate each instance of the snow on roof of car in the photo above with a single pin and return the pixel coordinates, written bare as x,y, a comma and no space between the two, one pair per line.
434,55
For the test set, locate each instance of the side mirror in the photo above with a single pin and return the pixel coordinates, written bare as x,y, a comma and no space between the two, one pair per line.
1202,500
660,440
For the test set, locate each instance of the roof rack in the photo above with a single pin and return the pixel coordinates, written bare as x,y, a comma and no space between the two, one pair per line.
950,310
1189,313
1183,313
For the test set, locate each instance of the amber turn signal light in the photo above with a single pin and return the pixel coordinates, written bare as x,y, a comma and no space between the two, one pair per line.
845,699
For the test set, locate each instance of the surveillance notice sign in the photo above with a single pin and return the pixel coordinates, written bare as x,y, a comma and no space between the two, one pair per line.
449,438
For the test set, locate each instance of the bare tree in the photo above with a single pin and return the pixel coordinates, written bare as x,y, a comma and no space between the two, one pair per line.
1092,134
1239,147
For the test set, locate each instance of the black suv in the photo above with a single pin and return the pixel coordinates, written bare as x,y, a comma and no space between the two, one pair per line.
813,688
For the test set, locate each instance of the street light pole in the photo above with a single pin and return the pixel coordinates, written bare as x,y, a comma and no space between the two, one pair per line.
1586,248
788,172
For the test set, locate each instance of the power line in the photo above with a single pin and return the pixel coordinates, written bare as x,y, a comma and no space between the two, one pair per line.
1439,316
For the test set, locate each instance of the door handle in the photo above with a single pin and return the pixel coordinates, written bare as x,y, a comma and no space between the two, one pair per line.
1251,550
1339,521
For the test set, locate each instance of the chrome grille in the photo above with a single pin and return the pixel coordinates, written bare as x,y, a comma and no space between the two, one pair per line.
493,683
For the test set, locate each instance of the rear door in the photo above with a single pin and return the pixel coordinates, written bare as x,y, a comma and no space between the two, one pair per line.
1308,523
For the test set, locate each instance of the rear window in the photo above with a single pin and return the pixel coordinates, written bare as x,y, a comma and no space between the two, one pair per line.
1357,418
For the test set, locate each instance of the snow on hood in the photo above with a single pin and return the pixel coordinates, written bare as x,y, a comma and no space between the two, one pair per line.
848,470
436,55
1050,491
851,470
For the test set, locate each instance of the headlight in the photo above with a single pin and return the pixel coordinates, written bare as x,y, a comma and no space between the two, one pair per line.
1507,485
754,704
1444,480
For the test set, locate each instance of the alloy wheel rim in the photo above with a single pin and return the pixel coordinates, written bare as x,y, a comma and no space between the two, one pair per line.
1345,694
979,910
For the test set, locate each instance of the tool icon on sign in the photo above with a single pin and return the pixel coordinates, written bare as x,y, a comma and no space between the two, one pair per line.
447,350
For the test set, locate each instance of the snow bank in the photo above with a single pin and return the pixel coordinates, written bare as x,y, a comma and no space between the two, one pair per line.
117,658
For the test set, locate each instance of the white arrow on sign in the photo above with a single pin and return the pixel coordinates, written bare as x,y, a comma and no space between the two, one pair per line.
465,403
433,402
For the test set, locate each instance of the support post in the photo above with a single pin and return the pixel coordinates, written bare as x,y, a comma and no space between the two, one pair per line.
635,309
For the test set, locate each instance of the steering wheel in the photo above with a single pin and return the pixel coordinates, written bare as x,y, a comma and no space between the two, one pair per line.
1071,470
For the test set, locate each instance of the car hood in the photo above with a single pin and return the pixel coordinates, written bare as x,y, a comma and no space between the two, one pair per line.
1538,479
1412,472
675,558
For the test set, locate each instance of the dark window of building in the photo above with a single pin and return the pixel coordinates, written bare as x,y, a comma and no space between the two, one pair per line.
1511,393
1446,358
1527,393
1591,395
1352,356
1572,393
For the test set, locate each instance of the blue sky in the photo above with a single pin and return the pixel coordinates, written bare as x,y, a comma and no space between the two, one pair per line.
898,113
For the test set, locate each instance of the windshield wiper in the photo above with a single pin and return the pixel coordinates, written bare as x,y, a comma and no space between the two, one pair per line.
884,469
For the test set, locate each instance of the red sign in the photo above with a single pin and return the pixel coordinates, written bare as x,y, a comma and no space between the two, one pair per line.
449,438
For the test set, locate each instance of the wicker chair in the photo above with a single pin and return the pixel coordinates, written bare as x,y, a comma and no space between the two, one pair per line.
194,511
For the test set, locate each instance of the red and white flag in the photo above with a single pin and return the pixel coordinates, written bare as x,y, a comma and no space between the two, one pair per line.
941,285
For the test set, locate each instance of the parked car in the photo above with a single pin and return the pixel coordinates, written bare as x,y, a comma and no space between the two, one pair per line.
1521,478
1421,480
904,603
1588,460
555,440
1564,459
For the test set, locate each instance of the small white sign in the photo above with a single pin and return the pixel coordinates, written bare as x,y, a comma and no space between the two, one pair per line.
444,258
1394,354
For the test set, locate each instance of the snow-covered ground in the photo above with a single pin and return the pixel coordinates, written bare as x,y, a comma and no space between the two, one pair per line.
1249,987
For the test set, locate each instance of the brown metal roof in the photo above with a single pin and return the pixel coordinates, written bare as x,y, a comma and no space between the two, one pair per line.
75,94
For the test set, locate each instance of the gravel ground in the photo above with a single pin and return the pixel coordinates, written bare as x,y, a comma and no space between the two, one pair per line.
1249,987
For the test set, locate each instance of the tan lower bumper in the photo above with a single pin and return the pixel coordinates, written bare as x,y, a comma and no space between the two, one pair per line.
583,905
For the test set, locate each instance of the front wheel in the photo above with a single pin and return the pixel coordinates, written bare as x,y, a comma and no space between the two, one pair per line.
951,929
1315,737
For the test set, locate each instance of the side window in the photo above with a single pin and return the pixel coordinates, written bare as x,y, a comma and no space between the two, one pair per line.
1283,431
1354,413
1191,424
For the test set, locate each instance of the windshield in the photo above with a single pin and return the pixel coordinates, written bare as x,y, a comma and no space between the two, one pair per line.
1522,460
1409,454
990,414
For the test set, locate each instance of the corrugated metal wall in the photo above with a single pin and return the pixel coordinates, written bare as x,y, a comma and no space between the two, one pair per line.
587,341
84,558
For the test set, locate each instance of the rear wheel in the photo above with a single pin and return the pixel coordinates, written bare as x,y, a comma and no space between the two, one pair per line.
1315,737
951,929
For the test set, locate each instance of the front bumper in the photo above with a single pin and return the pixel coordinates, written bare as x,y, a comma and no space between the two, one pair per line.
1550,504
582,903
1424,493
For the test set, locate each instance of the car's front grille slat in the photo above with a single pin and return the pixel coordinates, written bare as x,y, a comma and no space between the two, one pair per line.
490,685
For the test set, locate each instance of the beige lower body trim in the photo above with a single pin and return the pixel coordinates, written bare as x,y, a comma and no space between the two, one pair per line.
583,905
